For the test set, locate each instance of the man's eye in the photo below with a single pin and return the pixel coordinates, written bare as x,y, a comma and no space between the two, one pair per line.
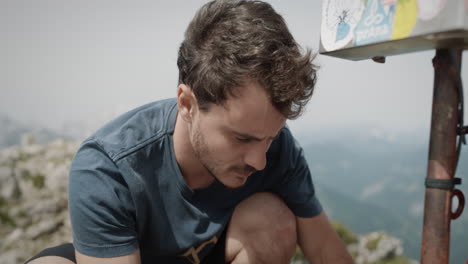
243,140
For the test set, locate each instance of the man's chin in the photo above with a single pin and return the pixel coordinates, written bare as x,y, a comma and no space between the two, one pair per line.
238,182
234,183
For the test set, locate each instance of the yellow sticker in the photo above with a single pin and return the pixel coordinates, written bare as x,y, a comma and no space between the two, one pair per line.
406,15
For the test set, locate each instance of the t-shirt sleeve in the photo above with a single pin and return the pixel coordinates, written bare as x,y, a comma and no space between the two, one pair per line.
100,205
294,182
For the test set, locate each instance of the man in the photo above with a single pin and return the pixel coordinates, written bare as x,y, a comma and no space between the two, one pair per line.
213,176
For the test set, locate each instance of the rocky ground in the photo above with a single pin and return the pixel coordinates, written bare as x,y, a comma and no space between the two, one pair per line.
34,215
33,198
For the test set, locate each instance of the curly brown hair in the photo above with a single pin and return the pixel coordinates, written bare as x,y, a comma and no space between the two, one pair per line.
231,41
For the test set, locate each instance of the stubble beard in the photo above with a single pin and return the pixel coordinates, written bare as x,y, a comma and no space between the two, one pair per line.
202,153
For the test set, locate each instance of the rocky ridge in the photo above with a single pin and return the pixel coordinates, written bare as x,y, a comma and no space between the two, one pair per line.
33,197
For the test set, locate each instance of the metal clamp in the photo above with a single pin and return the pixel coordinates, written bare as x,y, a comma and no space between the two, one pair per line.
449,184
444,184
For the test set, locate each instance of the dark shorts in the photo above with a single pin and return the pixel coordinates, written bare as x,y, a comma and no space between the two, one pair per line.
67,251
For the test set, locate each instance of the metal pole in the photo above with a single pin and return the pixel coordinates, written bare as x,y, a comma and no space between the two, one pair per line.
442,157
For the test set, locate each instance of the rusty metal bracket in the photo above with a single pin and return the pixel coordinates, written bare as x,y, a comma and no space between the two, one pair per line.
379,59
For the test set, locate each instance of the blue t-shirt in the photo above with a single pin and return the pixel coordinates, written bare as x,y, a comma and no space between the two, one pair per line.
126,191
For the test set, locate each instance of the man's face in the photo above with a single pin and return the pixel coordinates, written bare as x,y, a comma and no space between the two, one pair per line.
231,140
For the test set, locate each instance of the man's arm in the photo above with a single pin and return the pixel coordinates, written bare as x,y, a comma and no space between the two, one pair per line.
132,258
319,241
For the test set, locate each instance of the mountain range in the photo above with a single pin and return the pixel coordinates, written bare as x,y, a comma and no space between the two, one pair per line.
372,183
11,132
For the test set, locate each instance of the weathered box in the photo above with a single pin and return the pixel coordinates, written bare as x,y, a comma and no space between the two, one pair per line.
362,29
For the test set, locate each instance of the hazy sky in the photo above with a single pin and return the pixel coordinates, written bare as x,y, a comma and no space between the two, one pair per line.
63,61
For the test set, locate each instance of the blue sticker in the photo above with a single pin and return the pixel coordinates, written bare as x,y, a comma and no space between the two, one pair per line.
374,25
342,30
339,19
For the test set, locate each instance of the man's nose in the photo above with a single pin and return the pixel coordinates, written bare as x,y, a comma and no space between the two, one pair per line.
256,156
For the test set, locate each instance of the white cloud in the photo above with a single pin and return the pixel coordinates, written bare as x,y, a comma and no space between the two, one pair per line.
372,190
416,209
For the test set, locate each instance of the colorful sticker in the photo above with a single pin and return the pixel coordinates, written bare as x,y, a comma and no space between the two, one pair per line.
339,18
428,9
374,25
406,16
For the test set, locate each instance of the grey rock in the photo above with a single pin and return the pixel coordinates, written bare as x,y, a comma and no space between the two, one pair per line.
27,140
9,189
50,206
376,246
13,236
11,256
43,228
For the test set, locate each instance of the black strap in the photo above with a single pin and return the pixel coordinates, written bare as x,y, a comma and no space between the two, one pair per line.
445,184
65,251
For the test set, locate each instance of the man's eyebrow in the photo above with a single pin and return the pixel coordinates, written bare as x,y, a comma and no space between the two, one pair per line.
247,136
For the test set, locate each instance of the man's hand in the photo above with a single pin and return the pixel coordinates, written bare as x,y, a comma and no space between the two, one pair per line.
319,241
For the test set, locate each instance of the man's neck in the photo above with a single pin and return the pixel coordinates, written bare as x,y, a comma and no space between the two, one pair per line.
194,173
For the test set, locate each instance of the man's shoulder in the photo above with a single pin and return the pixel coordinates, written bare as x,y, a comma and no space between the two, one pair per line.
136,128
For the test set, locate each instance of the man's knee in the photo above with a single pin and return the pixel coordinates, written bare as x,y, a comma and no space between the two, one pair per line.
265,211
263,229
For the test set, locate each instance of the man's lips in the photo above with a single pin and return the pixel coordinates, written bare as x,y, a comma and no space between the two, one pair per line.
244,174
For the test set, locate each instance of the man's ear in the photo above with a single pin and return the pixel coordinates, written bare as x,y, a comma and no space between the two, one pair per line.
186,102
